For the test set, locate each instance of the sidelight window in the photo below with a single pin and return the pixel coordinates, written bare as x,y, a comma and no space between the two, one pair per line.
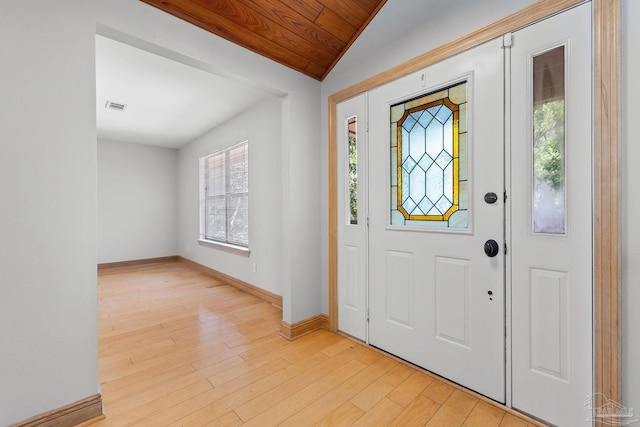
549,142
352,155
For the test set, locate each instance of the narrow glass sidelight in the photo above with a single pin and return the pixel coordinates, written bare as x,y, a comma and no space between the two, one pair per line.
429,160
352,145
549,196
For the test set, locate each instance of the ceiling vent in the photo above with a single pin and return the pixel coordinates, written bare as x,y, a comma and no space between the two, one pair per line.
115,106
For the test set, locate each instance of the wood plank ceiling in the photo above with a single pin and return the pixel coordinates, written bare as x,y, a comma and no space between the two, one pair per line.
309,36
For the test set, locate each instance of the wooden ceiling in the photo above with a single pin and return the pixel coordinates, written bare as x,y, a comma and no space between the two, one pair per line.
309,36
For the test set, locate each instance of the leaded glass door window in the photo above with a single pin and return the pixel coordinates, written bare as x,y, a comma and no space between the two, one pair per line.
429,160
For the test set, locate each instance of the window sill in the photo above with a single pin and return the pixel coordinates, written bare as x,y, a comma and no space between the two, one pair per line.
238,250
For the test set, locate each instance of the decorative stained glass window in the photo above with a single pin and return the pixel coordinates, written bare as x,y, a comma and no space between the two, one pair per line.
549,142
429,160
352,147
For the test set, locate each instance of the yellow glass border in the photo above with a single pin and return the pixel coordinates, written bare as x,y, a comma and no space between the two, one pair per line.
455,108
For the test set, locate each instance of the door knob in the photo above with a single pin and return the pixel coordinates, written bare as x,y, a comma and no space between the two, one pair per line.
491,248
490,198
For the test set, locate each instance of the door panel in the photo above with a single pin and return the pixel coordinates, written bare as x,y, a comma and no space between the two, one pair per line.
549,322
452,300
551,217
435,298
399,309
352,299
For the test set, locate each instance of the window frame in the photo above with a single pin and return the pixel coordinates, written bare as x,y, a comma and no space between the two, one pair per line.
206,238
457,218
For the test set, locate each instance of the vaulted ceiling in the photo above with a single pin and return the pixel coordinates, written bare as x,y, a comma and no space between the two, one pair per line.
309,36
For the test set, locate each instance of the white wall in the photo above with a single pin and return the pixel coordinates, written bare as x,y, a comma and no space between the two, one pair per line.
405,29
261,125
48,326
137,201
630,206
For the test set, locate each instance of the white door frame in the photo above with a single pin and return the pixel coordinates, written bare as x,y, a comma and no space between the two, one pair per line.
606,33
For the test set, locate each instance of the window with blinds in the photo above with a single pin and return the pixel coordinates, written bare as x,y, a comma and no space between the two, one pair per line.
224,196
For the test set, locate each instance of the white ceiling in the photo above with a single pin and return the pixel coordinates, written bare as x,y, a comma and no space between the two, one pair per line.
168,103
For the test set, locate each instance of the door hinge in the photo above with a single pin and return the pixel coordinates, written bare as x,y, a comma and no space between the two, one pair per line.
504,199
507,40
367,222
367,316
505,248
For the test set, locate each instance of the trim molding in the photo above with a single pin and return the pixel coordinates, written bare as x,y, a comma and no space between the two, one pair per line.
226,247
606,194
265,295
303,327
606,172
135,262
70,415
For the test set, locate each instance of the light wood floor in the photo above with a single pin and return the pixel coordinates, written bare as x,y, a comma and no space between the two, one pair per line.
179,348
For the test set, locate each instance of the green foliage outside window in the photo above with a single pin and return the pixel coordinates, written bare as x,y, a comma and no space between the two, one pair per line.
548,147
353,180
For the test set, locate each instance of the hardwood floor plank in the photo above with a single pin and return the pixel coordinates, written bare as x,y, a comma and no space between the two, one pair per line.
309,344
454,411
513,421
262,346
381,414
379,389
230,396
177,357
140,411
230,419
327,403
267,401
343,416
278,412
237,371
141,376
149,333
438,391
410,388
337,347
416,413
118,390
156,392
484,415
219,400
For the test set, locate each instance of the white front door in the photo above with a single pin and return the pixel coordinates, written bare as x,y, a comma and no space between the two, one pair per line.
551,218
436,185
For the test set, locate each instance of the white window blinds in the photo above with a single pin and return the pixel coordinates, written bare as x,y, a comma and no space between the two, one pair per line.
224,207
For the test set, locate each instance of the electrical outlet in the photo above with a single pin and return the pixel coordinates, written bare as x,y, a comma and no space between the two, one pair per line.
254,267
